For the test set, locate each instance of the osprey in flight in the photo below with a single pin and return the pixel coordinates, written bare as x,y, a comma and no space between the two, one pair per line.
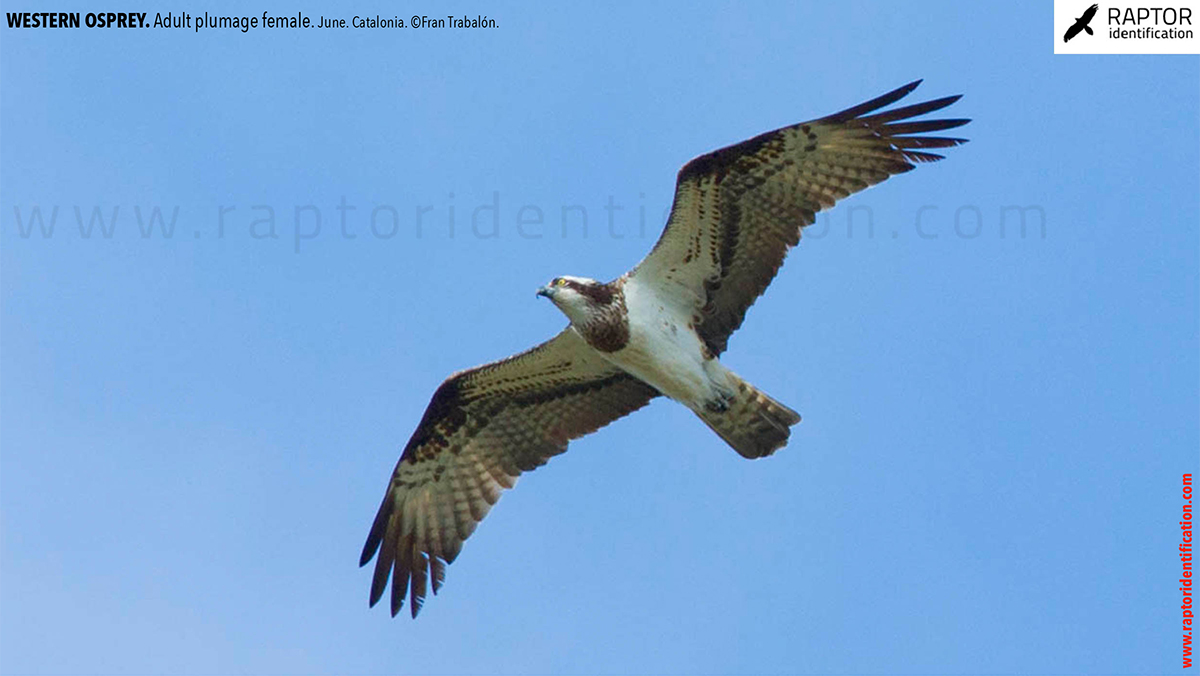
657,330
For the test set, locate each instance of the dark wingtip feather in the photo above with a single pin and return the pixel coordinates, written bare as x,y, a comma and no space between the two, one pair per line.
908,111
368,552
437,573
400,575
380,579
923,126
416,597
916,156
375,537
397,599
874,104
925,141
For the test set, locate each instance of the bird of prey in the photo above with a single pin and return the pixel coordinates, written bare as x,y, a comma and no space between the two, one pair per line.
657,330
1081,24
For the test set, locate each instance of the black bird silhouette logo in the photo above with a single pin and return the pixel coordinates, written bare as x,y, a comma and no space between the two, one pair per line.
1081,24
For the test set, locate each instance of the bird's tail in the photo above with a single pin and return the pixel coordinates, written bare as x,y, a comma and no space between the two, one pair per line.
754,424
1089,30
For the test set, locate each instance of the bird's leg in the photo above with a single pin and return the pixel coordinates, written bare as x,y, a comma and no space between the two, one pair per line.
720,403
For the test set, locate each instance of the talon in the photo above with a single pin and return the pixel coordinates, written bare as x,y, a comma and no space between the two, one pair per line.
721,403
717,406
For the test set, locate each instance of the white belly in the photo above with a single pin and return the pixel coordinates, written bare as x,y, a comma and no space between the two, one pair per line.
664,351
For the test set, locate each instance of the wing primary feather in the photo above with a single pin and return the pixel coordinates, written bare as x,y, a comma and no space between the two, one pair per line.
926,141
433,528
437,573
923,126
908,111
400,573
383,565
416,598
917,156
874,104
383,568
398,590
376,534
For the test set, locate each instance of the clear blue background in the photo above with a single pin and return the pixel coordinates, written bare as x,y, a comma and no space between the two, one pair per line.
197,429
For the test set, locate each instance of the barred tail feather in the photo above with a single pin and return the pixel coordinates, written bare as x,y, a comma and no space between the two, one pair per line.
753,423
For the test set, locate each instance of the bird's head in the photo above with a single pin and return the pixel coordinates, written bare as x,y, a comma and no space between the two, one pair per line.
578,297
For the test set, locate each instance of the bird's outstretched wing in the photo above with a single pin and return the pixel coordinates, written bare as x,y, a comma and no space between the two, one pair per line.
738,210
483,428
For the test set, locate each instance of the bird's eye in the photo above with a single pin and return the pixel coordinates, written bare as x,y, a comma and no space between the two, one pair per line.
560,282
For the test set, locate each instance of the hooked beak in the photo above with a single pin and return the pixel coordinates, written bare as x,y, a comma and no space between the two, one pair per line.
546,291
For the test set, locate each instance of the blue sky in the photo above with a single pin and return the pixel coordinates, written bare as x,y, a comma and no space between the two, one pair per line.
196,429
